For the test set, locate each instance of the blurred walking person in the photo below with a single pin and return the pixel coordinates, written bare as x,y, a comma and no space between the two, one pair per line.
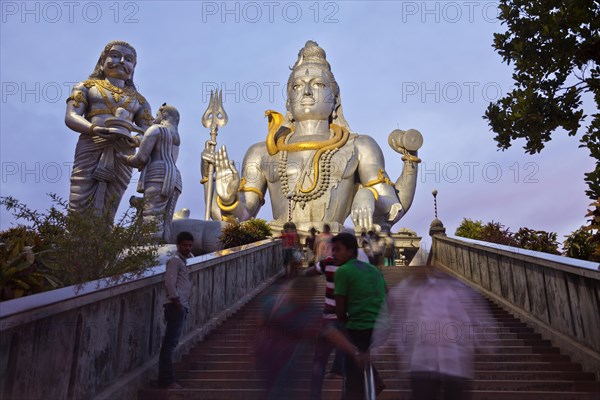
284,327
292,251
310,246
389,249
438,327
323,244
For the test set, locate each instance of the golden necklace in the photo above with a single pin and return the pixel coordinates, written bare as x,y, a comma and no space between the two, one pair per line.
321,160
116,92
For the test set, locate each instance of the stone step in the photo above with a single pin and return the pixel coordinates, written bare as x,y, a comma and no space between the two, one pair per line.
523,373
523,366
306,365
395,383
506,334
490,347
398,394
318,309
492,332
392,374
248,357
484,324
483,339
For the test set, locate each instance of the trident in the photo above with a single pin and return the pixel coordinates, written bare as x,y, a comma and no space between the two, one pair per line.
213,118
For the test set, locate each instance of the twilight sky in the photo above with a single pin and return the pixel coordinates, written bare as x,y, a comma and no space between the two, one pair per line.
400,64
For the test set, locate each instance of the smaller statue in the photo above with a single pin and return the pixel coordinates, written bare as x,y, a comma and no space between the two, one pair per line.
104,110
160,180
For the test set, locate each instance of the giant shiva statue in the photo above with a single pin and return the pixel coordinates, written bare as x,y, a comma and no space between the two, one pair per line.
314,167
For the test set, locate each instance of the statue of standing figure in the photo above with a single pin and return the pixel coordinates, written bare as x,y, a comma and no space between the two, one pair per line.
160,180
104,110
317,171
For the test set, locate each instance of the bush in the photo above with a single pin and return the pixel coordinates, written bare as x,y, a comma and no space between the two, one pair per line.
237,234
257,228
469,228
71,248
495,232
536,240
584,243
23,272
580,244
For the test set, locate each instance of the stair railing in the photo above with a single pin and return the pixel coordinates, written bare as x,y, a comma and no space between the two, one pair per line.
369,382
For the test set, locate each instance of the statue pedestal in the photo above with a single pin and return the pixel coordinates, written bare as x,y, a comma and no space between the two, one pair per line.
303,228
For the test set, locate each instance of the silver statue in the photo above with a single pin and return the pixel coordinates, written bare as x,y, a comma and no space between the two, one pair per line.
103,110
160,180
312,157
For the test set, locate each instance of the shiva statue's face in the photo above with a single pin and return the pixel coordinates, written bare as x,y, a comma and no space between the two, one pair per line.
310,95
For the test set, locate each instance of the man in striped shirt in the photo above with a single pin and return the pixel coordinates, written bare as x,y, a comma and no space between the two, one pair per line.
323,346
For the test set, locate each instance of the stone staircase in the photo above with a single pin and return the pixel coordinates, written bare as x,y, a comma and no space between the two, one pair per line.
523,367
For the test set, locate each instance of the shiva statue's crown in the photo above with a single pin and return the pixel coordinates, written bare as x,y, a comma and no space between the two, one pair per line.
311,53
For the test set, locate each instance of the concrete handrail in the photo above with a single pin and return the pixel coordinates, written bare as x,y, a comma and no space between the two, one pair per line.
558,296
103,341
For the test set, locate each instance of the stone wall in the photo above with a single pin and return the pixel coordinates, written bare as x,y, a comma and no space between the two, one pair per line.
103,342
557,296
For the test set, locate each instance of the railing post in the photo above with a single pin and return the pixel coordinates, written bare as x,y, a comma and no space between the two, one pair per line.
436,228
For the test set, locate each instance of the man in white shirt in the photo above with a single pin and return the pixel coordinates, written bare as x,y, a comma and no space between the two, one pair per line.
178,289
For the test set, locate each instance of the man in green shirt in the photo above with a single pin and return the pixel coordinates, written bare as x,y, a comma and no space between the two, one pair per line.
359,295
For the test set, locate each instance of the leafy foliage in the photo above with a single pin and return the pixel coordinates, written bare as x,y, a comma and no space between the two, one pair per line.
536,240
23,272
77,247
495,232
593,228
555,48
470,229
580,244
258,228
237,234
